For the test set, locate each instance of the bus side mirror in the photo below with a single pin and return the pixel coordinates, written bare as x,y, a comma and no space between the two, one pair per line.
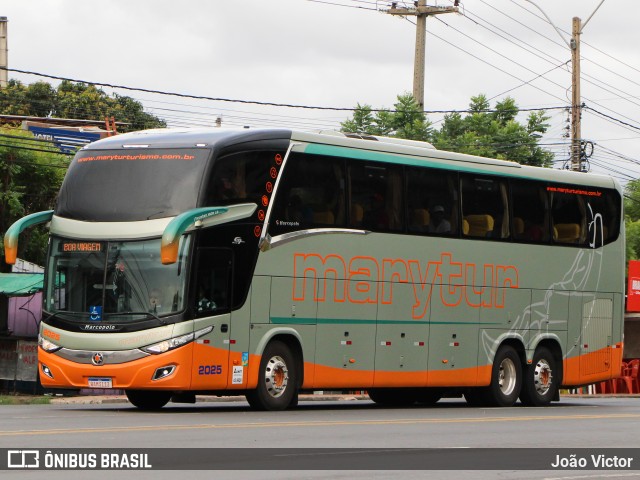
14,231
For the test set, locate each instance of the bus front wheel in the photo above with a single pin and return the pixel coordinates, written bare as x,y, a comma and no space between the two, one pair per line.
540,380
148,399
277,379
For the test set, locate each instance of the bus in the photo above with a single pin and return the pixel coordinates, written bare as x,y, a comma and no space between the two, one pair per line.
269,262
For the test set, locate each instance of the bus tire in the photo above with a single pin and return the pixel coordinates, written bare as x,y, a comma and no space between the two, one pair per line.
393,397
506,378
476,397
148,399
277,379
429,396
540,385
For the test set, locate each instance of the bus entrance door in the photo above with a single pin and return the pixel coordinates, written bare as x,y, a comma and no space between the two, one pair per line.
211,367
211,357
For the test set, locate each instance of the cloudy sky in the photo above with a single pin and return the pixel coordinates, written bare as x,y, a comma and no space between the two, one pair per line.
337,53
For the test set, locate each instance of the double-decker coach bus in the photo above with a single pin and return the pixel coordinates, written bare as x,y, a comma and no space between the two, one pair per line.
268,262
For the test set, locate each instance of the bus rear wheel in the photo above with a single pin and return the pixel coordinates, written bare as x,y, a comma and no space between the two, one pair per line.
506,378
277,379
540,384
506,381
148,399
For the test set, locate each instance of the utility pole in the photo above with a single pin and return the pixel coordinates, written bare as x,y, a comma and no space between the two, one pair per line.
421,12
576,108
576,103
4,55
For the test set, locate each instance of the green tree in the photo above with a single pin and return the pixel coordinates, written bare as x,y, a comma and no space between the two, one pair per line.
633,239
74,100
487,132
406,121
30,181
632,219
495,133
632,200
363,121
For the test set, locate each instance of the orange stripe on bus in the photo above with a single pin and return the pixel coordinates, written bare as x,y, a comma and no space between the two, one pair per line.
610,360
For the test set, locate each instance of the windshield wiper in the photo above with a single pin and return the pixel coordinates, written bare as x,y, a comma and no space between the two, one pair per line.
61,313
151,314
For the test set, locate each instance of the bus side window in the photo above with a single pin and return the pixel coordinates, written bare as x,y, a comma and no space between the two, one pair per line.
432,207
239,177
569,218
485,207
603,218
310,195
377,188
530,212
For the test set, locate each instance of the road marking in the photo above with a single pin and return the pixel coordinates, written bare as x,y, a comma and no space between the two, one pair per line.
319,423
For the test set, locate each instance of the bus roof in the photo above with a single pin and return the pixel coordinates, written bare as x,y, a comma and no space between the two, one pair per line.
401,150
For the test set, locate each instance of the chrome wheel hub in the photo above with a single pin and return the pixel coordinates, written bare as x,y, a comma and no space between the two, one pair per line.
507,377
276,376
542,377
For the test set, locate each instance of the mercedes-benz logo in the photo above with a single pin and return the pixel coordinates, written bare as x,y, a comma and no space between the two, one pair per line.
97,358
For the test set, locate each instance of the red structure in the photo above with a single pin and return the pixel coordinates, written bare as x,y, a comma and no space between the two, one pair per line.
628,382
633,287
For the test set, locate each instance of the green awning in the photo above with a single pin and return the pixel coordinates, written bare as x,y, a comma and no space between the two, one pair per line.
20,284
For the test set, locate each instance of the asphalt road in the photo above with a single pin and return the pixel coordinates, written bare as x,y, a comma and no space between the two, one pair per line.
601,424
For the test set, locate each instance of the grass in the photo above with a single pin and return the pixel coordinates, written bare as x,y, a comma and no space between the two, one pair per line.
24,400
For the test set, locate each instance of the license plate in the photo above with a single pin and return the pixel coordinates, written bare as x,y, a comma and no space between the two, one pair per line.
100,382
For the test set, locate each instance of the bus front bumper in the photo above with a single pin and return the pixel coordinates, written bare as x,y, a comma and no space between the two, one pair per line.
166,371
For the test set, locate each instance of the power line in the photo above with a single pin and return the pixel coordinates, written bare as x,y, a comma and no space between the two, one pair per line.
553,59
490,64
26,139
255,102
610,169
611,118
32,144
342,5
496,52
594,81
567,33
175,94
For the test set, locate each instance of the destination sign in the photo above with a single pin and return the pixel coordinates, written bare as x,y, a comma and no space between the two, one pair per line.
83,247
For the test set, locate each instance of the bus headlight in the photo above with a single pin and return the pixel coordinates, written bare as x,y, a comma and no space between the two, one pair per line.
175,342
47,346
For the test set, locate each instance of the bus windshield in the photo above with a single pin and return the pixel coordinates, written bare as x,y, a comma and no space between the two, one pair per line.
113,281
112,185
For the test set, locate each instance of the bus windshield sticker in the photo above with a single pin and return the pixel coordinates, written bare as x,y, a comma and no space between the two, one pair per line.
575,191
238,375
141,156
95,313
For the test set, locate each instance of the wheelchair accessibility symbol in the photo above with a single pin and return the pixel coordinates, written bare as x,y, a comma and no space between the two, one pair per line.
95,314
